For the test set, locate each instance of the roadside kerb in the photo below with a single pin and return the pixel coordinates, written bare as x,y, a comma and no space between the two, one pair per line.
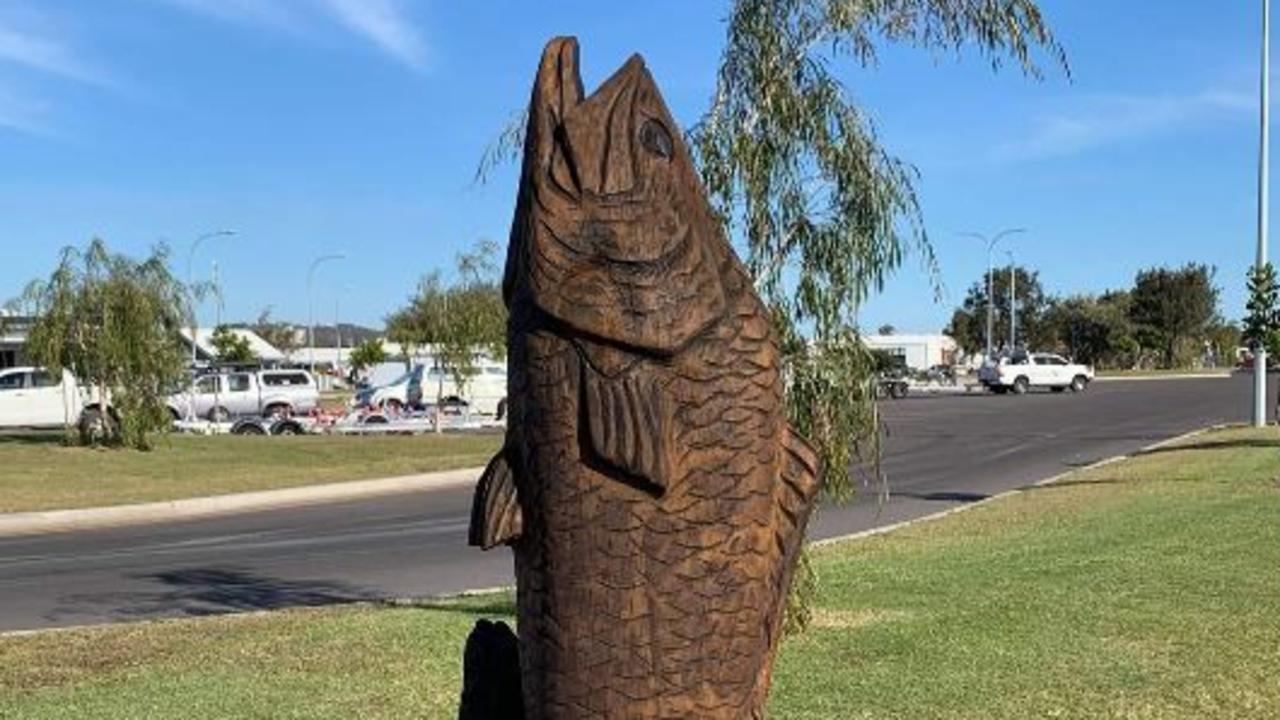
1039,483
50,521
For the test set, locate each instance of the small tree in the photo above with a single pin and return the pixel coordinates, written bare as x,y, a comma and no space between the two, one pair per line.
1262,323
457,320
367,354
968,324
114,323
231,346
886,330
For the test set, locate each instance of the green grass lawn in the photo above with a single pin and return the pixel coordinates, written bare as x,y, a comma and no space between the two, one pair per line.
38,473
1145,589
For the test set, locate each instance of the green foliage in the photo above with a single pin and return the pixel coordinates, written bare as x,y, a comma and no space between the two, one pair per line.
114,323
1262,323
968,326
231,346
1171,307
1095,329
459,319
367,354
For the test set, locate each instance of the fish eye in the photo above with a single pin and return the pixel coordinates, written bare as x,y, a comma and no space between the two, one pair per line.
655,138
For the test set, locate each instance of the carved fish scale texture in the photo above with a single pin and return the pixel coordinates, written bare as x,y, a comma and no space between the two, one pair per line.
637,605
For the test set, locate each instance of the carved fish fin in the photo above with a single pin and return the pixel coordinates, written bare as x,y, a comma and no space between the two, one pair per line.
629,426
798,491
496,518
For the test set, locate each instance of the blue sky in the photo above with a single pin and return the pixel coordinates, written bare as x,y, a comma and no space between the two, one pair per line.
321,126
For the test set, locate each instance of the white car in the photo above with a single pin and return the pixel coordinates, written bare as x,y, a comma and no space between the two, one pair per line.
485,393
35,398
1020,372
267,393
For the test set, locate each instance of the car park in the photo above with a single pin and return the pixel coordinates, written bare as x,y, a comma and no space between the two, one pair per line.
264,393
1020,372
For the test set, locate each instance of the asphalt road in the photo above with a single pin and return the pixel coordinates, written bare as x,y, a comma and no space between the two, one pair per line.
941,452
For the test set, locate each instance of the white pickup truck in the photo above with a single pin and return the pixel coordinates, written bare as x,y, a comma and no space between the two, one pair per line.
267,393
1020,372
32,397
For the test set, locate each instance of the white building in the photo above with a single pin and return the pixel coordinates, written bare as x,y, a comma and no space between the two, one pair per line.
919,352
264,351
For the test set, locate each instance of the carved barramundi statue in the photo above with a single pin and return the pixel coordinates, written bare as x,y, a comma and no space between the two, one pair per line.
649,485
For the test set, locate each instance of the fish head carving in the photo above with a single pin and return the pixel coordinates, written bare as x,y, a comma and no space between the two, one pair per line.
613,234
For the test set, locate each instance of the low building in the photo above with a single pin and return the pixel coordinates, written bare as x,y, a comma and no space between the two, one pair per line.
919,352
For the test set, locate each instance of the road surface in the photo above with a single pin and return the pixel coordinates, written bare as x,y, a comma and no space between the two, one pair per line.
941,452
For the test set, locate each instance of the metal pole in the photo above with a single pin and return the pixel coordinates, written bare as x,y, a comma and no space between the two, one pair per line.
991,246
311,313
217,320
1264,152
1013,304
191,256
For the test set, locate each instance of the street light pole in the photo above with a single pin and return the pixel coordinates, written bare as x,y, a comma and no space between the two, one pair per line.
311,313
195,322
1264,152
1013,303
990,242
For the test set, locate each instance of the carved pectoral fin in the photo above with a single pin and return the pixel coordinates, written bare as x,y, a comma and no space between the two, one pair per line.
629,426
798,490
496,518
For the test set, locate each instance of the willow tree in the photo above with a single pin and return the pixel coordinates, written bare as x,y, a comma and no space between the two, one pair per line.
114,323
823,213
456,319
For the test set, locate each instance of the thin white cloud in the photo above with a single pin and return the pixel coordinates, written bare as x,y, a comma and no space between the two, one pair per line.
24,48
1102,120
383,23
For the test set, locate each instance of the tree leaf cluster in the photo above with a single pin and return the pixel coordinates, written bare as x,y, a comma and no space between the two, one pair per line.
231,347
1262,319
968,326
456,319
367,354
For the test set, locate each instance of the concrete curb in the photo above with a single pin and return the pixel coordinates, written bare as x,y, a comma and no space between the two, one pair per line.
50,521
1007,493
1150,378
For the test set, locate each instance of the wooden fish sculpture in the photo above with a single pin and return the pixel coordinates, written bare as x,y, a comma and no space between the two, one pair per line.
650,487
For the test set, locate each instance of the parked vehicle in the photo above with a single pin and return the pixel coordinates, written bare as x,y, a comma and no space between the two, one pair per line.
485,393
266,393
35,398
1020,372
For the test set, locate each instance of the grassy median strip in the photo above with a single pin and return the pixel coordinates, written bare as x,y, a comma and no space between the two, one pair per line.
1143,589
37,472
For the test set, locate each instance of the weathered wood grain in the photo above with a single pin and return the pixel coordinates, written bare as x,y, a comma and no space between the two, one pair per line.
653,495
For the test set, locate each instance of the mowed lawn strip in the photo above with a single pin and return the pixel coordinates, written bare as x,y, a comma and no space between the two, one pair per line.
1144,589
37,472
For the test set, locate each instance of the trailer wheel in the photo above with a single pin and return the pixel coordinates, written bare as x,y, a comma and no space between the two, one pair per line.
247,427
286,427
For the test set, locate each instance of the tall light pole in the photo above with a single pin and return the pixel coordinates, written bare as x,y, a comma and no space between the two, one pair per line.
311,311
1264,152
191,256
195,322
990,242
1013,303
